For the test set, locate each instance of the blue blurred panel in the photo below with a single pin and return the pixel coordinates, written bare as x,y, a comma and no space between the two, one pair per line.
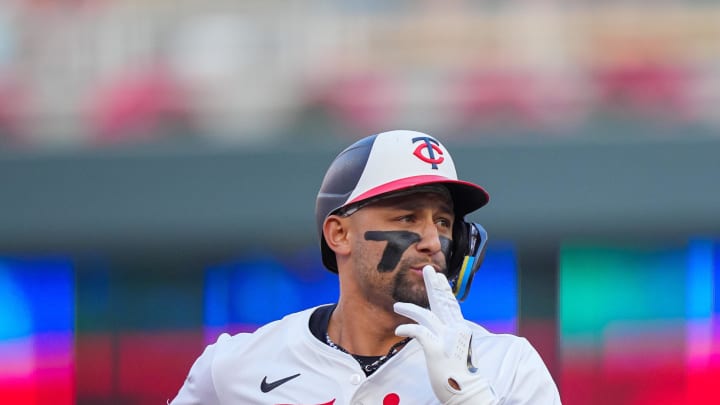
318,285
716,289
700,280
15,314
36,331
216,296
261,288
493,298
38,291
261,291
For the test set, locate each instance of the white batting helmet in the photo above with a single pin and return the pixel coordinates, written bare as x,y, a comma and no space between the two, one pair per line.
386,163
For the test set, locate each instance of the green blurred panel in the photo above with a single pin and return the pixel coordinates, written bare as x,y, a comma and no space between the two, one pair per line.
600,285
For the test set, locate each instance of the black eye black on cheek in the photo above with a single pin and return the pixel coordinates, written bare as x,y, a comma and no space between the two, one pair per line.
397,243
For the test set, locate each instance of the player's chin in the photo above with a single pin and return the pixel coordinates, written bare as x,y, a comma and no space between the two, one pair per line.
407,288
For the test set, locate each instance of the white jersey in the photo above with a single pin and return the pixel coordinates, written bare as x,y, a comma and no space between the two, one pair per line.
284,363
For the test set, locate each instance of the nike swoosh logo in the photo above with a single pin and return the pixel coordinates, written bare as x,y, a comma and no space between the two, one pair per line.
269,386
471,368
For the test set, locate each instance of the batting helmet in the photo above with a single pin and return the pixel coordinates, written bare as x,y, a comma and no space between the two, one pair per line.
386,163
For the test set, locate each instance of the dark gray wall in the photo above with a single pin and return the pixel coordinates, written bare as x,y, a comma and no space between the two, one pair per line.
212,198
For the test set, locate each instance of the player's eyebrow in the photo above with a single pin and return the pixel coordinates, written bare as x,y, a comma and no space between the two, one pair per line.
417,203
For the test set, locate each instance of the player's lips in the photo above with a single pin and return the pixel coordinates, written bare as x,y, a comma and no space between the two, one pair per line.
419,269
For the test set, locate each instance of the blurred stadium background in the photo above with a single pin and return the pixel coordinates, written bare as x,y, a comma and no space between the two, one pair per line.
159,162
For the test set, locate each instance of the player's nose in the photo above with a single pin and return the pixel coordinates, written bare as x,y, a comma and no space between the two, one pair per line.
430,241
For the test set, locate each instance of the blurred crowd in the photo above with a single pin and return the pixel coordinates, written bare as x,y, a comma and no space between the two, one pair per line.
110,72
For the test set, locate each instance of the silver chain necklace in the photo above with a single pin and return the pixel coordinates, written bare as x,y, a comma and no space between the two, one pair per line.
368,368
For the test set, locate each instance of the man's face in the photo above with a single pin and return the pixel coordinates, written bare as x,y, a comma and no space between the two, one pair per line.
393,239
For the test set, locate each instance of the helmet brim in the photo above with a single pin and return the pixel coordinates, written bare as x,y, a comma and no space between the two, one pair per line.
467,197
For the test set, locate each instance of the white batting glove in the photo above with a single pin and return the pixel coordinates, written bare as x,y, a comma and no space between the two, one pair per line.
445,339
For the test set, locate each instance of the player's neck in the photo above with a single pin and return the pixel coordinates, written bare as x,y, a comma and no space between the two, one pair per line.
362,328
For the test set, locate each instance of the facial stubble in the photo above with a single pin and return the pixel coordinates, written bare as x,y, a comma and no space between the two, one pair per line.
404,288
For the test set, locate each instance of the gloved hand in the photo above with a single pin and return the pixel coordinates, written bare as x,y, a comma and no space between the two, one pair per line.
446,340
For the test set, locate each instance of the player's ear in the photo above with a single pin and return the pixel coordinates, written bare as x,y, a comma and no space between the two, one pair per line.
336,233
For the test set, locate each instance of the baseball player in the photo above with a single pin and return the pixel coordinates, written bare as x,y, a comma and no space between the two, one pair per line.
391,218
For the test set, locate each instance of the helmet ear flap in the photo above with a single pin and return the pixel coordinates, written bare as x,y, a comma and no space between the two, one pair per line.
467,254
459,249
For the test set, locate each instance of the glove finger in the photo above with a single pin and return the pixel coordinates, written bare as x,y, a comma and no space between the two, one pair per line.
435,280
421,334
440,296
418,314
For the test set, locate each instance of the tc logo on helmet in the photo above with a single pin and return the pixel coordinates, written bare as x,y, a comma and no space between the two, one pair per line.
430,148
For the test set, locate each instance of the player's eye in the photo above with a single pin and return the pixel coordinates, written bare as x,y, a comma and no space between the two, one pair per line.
406,218
444,222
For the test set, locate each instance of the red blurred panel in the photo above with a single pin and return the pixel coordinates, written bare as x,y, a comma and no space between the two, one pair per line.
488,95
18,391
56,387
704,386
94,365
638,355
362,100
37,370
661,385
152,366
656,89
589,377
54,371
581,370
542,334
139,105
